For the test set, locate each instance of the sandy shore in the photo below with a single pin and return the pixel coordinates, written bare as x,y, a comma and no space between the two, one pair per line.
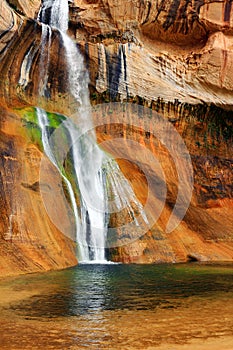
221,343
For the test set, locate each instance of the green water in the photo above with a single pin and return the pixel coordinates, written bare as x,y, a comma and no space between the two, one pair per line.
90,305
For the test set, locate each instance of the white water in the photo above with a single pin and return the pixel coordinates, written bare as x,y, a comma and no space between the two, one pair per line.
91,234
55,13
26,67
87,161
122,191
78,80
92,167
99,262
46,38
48,149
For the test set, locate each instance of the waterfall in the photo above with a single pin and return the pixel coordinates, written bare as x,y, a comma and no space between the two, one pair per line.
93,169
25,69
26,66
124,196
78,82
46,38
55,13
48,149
87,161
92,224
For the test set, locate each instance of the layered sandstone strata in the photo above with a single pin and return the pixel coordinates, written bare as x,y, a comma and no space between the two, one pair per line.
173,56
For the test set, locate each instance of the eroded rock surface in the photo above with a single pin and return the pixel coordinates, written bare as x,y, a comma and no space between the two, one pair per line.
173,56
29,240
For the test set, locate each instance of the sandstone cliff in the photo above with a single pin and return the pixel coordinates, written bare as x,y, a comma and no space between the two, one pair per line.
173,56
29,240
185,48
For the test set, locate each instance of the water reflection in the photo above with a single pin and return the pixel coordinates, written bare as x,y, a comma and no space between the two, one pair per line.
90,289
117,307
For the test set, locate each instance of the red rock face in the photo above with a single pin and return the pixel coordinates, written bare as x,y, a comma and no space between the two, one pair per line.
200,235
29,240
173,56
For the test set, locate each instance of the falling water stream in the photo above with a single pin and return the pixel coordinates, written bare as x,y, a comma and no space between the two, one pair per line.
94,171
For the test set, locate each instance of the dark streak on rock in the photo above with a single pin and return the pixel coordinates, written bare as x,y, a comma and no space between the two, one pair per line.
86,55
45,14
172,14
34,187
88,237
99,56
182,20
148,13
8,29
227,11
113,73
159,10
198,4
125,70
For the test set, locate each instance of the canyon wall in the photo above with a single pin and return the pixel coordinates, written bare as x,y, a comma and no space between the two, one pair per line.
173,57
29,240
179,49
